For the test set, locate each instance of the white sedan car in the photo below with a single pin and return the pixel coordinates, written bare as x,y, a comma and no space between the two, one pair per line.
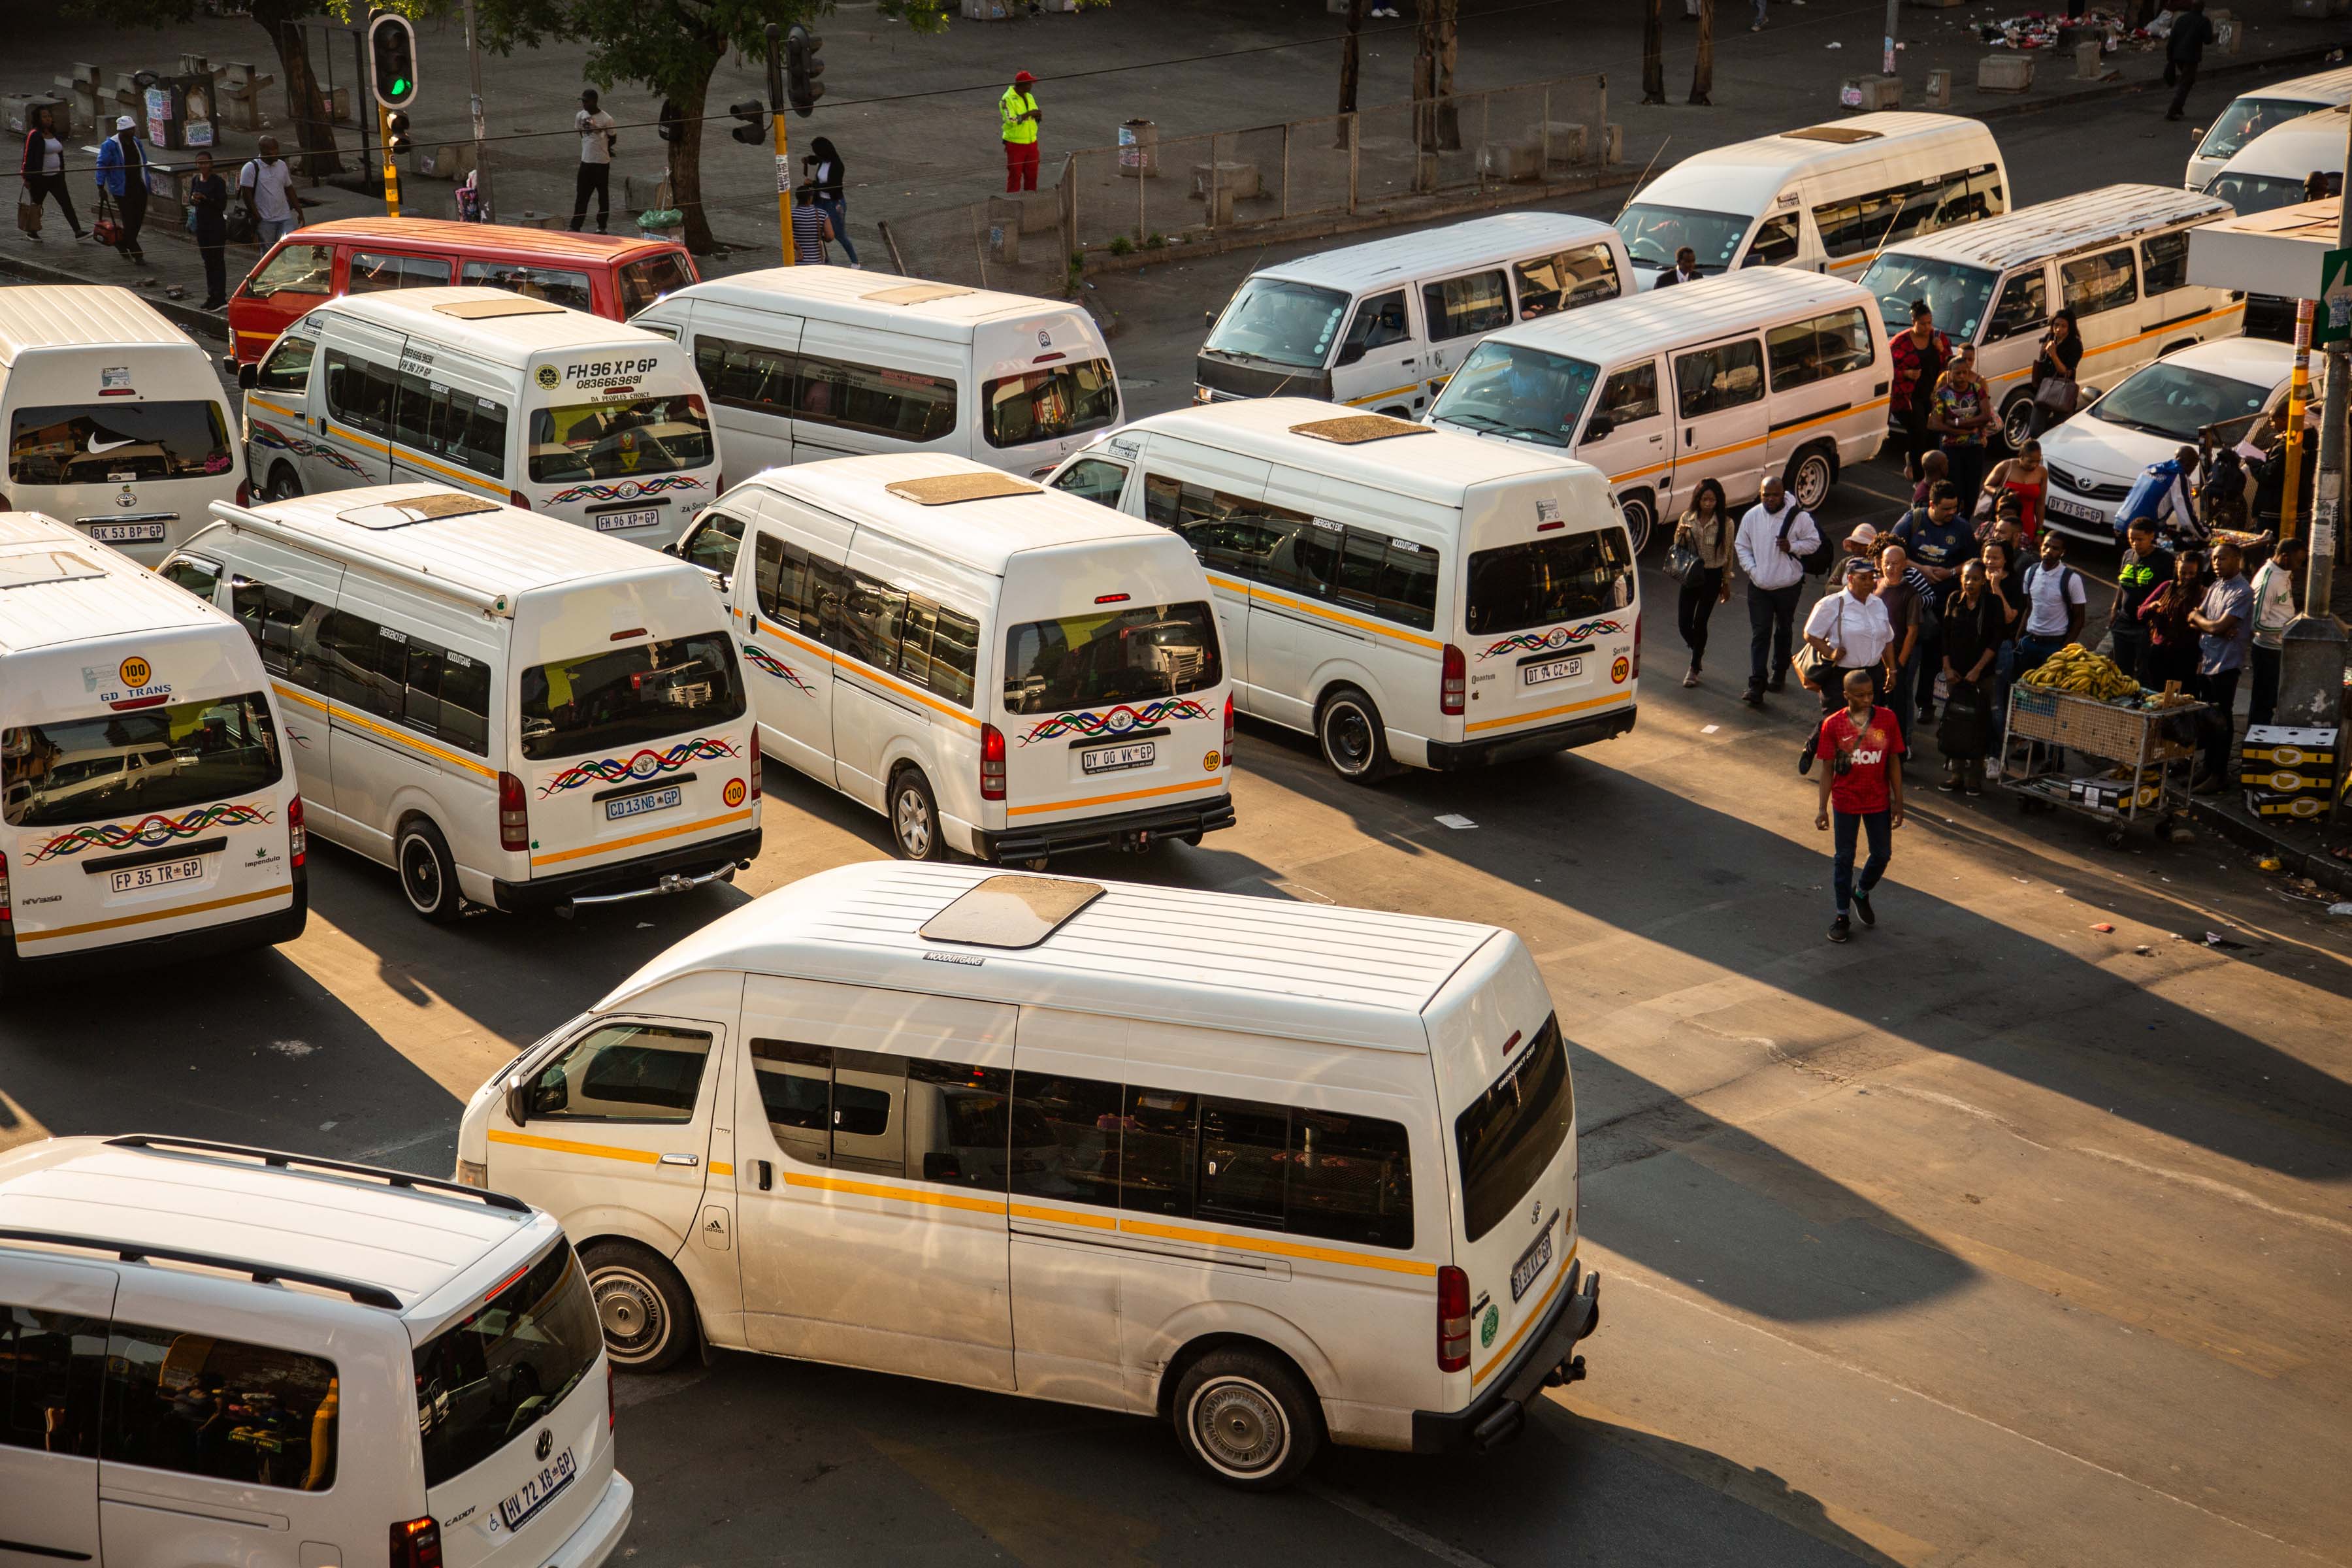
2095,457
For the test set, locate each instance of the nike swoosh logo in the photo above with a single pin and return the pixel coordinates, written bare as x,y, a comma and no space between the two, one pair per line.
111,445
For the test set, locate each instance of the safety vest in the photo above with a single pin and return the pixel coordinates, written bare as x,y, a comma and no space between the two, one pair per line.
1010,108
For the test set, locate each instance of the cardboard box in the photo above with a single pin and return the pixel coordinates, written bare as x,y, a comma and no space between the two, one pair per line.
2289,746
2305,807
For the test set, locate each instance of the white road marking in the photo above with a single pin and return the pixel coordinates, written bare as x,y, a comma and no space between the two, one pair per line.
1388,1523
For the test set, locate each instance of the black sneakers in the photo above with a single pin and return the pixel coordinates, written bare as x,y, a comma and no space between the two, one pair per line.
1862,907
1813,749
1754,697
1840,929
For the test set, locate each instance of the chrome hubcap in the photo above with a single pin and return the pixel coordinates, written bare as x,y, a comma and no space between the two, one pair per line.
1240,1427
914,825
629,1312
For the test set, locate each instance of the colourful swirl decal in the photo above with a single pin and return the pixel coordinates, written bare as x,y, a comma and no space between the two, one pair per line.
149,832
276,440
1118,720
1557,639
627,490
645,764
767,663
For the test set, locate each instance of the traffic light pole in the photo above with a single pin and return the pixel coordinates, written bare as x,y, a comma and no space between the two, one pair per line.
2312,648
391,166
784,152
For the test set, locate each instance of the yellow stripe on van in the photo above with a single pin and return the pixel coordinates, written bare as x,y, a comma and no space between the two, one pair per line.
1550,712
632,840
1062,1216
264,402
565,1146
1636,473
1302,607
1112,799
1277,1248
860,669
1407,389
23,936
963,1201
721,1168
362,722
1527,1322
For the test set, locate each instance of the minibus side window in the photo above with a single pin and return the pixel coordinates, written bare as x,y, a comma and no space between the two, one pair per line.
2024,305
2166,258
285,630
359,392
1391,577
1457,307
1242,1162
745,375
552,284
171,1401
1628,396
718,540
295,269
365,664
1549,284
885,402
288,368
1858,225
1379,323
941,649
2103,282
451,423
780,574
834,1106
873,614
1776,242
1094,479
1724,376
622,1072
373,272
446,693
193,573
1081,1117
49,1396
1243,537
1803,353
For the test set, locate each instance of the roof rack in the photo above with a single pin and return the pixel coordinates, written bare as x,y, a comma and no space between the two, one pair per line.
489,603
279,1160
261,1273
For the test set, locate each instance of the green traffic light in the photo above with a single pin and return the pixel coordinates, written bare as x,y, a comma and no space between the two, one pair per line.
400,87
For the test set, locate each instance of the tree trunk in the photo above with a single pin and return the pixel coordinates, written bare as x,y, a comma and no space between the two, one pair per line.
1653,51
1350,58
1449,121
685,156
1425,78
1703,68
315,156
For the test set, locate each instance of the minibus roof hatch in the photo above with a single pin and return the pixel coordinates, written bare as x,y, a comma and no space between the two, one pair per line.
40,566
946,489
915,293
415,508
1355,429
1010,911
491,310
1843,136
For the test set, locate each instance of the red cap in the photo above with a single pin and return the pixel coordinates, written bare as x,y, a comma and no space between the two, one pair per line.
1019,77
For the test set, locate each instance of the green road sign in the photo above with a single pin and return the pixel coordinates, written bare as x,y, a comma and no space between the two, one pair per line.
2332,322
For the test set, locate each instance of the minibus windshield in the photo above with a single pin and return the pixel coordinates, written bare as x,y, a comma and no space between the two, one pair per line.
1515,390
1045,404
2247,119
102,443
2176,402
2256,193
1958,295
1509,1135
502,1369
619,438
136,764
1653,235
629,696
1285,322
1131,655
1565,577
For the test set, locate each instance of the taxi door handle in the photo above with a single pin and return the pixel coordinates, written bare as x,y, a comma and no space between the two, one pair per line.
681,1159
767,1174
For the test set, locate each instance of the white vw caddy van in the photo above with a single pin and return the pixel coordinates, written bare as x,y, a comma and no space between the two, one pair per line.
809,363
508,710
552,410
115,420
148,810
1275,1171
233,1355
998,669
1406,596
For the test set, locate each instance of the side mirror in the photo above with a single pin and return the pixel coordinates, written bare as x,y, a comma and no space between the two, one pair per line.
249,375
518,1100
1208,318
675,547
1599,427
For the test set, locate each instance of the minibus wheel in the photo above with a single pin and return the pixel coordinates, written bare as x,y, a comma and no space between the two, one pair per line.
642,1305
429,877
1641,515
915,818
282,485
1245,1418
2017,421
1810,476
1353,741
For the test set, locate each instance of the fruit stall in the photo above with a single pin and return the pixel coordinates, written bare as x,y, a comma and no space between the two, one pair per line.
2084,737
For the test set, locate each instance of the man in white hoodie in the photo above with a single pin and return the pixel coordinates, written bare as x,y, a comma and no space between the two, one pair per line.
1772,542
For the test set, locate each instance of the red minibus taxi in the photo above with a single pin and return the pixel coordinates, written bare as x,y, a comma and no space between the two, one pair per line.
613,276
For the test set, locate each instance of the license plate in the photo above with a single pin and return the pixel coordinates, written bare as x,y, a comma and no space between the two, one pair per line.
638,804
127,532
1551,669
1531,1264
613,521
155,876
2076,510
537,1492
1111,759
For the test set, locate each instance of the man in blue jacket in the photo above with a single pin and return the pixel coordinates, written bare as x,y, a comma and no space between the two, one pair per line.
122,175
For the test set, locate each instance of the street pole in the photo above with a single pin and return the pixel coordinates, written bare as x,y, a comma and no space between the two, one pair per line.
391,168
1886,65
481,130
2311,655
2298,404
783,156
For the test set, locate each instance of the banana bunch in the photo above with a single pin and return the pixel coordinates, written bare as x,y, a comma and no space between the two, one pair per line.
2076,670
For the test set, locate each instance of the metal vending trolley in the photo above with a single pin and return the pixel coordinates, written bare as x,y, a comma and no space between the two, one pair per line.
2156,748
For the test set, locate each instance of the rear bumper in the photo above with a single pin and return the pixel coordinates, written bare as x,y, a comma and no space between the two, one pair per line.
1180,820
593,1544
1450,756
643,875
1496,1417
116,959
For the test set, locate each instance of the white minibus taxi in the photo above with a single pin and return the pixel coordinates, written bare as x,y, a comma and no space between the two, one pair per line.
509,712
115,419
1826,198
2116,257
1406,596
2264,109
998,669
235,1355
1382,324
808,362
148,810
524,402
1590,384
1277,1172
2273,171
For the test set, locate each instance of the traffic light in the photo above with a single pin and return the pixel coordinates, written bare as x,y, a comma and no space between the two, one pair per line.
391,51
396,133
753,131
802,68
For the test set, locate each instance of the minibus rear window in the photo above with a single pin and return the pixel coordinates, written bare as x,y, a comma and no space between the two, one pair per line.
1510,1134
629,696
620,438
134,764
1566,577
1131,655
1047,404
486,1380
1280,321
104,443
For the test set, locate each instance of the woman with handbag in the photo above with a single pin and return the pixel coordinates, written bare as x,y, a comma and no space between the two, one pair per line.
44,176
1974,626
1702,558
2053,371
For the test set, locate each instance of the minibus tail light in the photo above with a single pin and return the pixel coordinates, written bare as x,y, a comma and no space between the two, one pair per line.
1455,681
298,839
992,763
1453,1319
1637,645
243,493
1229,729
612,1406
514,814
755,767
517,498
6,913
416,1543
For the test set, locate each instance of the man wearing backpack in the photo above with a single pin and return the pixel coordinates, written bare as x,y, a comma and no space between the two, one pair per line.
1773,541
2055,604
2161,492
